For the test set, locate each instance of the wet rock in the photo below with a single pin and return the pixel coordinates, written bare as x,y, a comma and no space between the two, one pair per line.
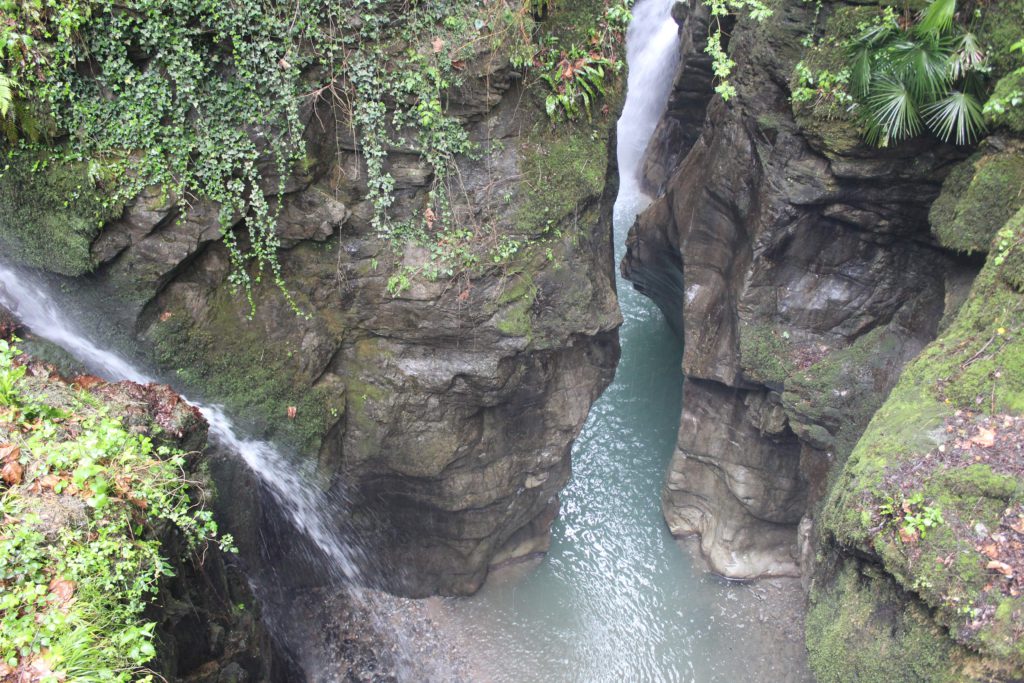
444,409
779,248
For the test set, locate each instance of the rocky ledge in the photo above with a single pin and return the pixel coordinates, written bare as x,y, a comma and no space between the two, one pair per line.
808,275
443,407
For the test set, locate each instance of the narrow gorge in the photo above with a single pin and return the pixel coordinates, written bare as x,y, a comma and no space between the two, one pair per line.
512,340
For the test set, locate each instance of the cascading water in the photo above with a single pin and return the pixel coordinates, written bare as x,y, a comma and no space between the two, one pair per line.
30,301
652,53
616,598
311,512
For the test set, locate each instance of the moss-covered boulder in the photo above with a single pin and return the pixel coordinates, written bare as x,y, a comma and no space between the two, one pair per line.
979,196
52,212
932,496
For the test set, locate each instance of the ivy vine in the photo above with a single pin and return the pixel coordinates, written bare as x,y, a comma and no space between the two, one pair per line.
205,99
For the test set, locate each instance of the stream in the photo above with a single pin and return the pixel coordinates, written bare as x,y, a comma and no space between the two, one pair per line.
617,598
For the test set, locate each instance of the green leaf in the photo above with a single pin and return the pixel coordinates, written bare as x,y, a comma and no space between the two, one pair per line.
937,17
925,65
956,118
894,115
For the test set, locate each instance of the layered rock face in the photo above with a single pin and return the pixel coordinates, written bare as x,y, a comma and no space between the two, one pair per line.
442,407
808,275
799,267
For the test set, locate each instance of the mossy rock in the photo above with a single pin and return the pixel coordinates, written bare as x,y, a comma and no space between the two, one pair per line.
50,212
975,367
1010,251
1000,27
839,393
978,198
1005,107
824,118
228,359
765,354
863,628
562,168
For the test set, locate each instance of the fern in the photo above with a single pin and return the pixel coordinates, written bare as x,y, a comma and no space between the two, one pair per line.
7,86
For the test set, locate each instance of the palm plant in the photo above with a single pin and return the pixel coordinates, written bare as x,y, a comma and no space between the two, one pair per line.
925,76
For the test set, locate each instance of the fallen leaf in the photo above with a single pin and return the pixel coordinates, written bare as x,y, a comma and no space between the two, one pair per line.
438,44
908,536
1001,567
12,473
165,316
985,438
49,481
990,550
62,589
458,64
86,382
292,412
463,295
9,452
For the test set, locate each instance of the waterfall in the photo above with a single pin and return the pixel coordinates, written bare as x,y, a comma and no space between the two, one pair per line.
652,52
305,506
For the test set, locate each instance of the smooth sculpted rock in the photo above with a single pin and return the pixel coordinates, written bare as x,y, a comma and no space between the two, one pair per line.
781,248
440,397
736,481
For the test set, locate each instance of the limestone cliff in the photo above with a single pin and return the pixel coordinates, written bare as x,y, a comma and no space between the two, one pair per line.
442,404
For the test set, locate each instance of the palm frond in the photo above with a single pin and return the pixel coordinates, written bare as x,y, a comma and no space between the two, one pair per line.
968,56
956,118
893,112
924,64
861,69
937,17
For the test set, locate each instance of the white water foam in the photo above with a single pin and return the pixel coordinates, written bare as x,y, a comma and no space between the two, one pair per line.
652,52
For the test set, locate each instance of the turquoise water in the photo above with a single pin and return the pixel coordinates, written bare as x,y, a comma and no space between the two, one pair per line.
617,598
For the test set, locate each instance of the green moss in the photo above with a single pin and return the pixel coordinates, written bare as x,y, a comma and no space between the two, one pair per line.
51,213
838,395
864,628
1001,25
977,199
764,353
563,169
1000,109
978,481
516,319
229,360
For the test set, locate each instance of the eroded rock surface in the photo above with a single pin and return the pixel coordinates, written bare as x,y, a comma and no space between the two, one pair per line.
443,407
781,247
